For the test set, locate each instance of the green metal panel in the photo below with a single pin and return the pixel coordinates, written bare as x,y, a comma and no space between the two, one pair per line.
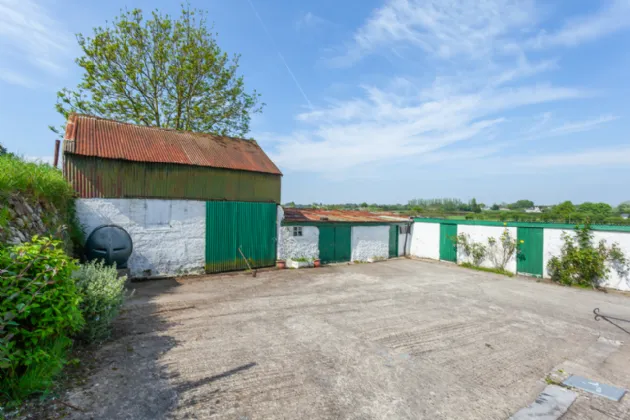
111,178
609,228
393,241
530,251
448,248
335,244
326,244
343,243
245,225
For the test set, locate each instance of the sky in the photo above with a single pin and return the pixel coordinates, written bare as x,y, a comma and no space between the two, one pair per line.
384,101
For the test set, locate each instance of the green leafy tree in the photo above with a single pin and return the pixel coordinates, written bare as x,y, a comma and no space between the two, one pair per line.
563,210
495,207
161,72
597,210
3,150
624,207
474,207
521,204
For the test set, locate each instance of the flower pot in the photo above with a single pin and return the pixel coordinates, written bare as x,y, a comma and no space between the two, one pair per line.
281,264
317,263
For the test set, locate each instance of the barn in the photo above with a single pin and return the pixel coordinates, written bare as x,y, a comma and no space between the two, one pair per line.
335,236
191,202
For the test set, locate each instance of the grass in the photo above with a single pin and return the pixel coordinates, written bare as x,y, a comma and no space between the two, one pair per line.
39,180
487,269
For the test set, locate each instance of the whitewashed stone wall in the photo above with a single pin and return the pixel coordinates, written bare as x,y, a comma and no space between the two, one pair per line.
305,246
370,242
168,235
480,234
425,240
553,243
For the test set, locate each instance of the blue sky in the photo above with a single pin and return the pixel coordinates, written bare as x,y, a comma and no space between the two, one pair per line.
384,101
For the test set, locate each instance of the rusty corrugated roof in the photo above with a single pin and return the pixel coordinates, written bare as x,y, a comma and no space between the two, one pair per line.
316,215
93,136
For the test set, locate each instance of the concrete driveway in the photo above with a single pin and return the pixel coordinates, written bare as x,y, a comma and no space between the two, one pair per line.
397,339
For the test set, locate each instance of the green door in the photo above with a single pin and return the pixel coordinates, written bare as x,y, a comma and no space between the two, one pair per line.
334,243
231,225
326,244
529,259
393,241
448,248
343,247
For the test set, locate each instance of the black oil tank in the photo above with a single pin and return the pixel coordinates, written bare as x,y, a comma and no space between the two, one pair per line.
109,243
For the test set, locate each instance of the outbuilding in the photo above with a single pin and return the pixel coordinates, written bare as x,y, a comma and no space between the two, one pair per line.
191,202
342,235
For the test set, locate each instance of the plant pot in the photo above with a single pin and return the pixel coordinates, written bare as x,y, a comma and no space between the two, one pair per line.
281,264
297,264
317,263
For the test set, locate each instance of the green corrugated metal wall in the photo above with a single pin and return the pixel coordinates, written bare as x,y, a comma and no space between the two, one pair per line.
110,178
448,248
529,259
233,225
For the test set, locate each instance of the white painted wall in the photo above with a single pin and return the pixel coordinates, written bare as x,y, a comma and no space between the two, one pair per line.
481,234
305,246
370,242
425,240
552,246
279,243
168,235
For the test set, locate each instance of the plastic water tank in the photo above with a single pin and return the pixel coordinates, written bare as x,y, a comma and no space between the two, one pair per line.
109,243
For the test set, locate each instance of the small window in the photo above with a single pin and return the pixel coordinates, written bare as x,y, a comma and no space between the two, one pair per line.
297,230
404,229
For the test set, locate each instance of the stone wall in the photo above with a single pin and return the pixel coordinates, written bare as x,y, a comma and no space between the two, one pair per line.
24,218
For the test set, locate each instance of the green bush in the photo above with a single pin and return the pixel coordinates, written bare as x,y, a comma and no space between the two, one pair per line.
39,310
581,263
103,294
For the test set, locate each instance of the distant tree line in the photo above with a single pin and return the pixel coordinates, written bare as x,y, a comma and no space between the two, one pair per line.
565,212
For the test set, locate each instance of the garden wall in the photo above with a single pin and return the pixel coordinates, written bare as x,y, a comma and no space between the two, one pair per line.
425,243
480,234
305,246
24,218
168,235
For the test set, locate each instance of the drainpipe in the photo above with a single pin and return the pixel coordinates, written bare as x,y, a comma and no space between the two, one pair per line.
56,155
406,236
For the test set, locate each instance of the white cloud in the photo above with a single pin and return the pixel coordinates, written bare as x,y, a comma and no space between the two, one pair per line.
610,19
443,28
309,20
384,125
577,127
30,39
40,159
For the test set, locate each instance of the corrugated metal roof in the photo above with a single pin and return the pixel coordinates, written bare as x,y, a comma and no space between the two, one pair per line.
92,136
316,215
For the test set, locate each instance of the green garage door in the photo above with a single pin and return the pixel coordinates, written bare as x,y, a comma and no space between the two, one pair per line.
334,244
393,241
448,248
231,225
529,259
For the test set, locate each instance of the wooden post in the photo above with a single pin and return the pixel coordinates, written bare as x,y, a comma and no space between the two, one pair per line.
56,156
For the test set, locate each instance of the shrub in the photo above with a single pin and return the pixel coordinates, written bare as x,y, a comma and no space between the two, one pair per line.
474,250
503,250
103,294
581,263
39,310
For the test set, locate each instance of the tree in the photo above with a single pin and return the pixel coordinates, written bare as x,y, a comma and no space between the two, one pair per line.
521,204
564,209
474,207
495,207
161,72
624,207
3,150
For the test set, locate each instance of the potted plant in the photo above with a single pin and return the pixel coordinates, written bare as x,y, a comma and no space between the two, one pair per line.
281,264
298,262
317,262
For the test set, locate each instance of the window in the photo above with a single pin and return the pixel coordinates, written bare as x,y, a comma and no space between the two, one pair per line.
403,229
297,230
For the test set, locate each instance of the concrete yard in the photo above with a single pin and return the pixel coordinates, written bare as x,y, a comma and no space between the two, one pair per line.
402,339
